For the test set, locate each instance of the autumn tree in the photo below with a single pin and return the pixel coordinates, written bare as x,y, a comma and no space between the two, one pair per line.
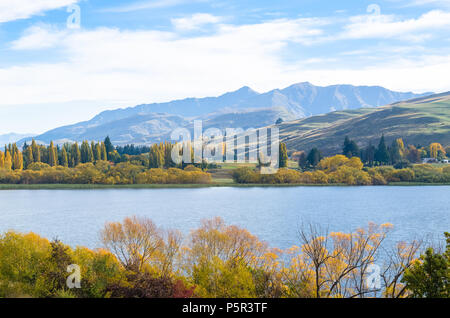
413,154
36,151
109,146
17,158
436,151
64,160
156,157
134,242
104,152
97,152
8,161
86,152
52,155
75,155
2,160
28,156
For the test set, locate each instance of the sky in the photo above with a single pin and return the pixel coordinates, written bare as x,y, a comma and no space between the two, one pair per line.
64,61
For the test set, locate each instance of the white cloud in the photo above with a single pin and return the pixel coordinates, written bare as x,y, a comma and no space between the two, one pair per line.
195,21
390,26
144,5
11,10
133,67
39,37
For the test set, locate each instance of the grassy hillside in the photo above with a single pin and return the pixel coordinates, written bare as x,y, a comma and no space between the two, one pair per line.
418,121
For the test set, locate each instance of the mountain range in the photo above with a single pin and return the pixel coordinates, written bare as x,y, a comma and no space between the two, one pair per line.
245,108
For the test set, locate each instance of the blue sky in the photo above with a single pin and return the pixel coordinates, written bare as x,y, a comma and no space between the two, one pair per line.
126,53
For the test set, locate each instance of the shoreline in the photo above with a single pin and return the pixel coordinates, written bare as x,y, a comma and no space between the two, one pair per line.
189,186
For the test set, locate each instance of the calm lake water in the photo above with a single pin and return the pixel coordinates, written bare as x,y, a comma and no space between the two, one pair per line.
273,214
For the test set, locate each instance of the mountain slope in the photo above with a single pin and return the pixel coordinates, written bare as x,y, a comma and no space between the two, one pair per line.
12,137
418,121
244,108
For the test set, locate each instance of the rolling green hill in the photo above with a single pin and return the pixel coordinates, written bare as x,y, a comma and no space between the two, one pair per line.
418,121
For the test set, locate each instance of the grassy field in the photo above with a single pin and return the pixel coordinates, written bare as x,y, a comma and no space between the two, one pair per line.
420,121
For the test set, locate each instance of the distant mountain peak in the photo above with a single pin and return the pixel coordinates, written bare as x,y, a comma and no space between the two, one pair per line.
247,106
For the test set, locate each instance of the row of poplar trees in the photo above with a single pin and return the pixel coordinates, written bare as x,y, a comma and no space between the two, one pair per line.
68,155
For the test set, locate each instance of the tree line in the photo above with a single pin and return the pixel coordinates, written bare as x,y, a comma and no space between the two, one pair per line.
398,154
340,169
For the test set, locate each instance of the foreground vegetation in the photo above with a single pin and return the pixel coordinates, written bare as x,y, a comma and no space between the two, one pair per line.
139,259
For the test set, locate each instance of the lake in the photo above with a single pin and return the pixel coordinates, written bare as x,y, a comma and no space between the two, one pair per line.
272,213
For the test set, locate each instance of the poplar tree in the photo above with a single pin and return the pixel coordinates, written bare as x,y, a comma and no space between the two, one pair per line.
52,155
28,158
86,152
2,160
17,160
97,152
104,155
36,151
283,156
109,146
64,159
75,155
382,154
8,160
156,157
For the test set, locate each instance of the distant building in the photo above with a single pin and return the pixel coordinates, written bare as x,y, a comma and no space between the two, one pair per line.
429,160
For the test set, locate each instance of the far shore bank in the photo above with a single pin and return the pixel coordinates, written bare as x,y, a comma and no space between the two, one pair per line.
188,186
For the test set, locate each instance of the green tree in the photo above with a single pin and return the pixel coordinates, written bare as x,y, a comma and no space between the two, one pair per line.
75,155
396,152
104,155
17,158
28,156
64,160
314,157
350,148
382,154
429,278
97,152
283,156
302,160
86,152
52,155
156,157
109,146
36,151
